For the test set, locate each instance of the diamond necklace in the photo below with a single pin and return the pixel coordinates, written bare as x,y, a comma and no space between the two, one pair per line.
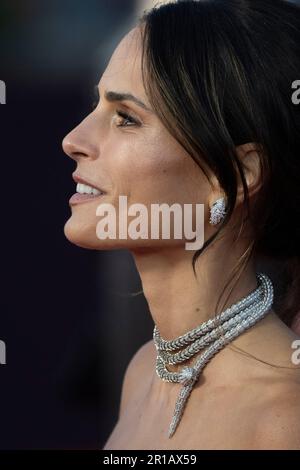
213,335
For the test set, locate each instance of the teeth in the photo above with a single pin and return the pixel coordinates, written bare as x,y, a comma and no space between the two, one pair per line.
96,192
85,189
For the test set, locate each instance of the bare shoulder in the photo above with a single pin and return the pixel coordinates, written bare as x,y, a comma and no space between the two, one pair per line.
278,426
143,359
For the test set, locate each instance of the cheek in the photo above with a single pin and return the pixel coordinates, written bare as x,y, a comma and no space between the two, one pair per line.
160,176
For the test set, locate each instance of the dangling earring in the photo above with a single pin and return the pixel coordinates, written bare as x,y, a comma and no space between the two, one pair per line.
217,211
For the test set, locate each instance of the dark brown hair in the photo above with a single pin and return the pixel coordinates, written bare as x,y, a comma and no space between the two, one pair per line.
219,74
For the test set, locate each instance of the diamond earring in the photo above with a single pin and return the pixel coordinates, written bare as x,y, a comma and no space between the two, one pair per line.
217,211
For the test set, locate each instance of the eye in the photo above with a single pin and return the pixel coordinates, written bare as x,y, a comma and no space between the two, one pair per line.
127,118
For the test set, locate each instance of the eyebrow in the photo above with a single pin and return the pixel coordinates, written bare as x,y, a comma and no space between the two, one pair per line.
113,96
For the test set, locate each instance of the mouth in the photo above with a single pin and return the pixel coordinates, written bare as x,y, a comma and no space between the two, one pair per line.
85,191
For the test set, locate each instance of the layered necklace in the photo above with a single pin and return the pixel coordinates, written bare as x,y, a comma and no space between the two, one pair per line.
208,339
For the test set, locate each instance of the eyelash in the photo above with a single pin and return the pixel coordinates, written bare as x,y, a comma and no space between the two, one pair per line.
122,114
127,117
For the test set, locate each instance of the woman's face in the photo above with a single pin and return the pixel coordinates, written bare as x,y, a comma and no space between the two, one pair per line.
134,157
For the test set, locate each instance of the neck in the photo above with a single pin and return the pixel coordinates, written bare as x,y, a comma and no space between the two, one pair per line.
179,301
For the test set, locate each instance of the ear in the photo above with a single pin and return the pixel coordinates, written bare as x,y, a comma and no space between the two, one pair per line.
250,156
215,190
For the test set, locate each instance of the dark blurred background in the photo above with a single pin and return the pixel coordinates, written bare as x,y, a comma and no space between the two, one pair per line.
69,325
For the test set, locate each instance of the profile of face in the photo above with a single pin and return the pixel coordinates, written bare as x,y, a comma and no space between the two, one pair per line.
122,148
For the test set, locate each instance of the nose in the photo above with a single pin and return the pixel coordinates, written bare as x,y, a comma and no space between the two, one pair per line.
73,148
79,143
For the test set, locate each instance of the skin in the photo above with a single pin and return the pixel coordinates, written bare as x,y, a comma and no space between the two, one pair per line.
148,165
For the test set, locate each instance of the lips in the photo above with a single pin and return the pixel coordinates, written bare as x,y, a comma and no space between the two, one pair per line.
79,179
86,190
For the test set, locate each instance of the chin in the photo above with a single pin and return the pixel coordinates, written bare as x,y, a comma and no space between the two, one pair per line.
79,236
85,236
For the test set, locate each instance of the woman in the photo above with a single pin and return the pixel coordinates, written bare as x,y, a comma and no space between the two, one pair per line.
211,121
